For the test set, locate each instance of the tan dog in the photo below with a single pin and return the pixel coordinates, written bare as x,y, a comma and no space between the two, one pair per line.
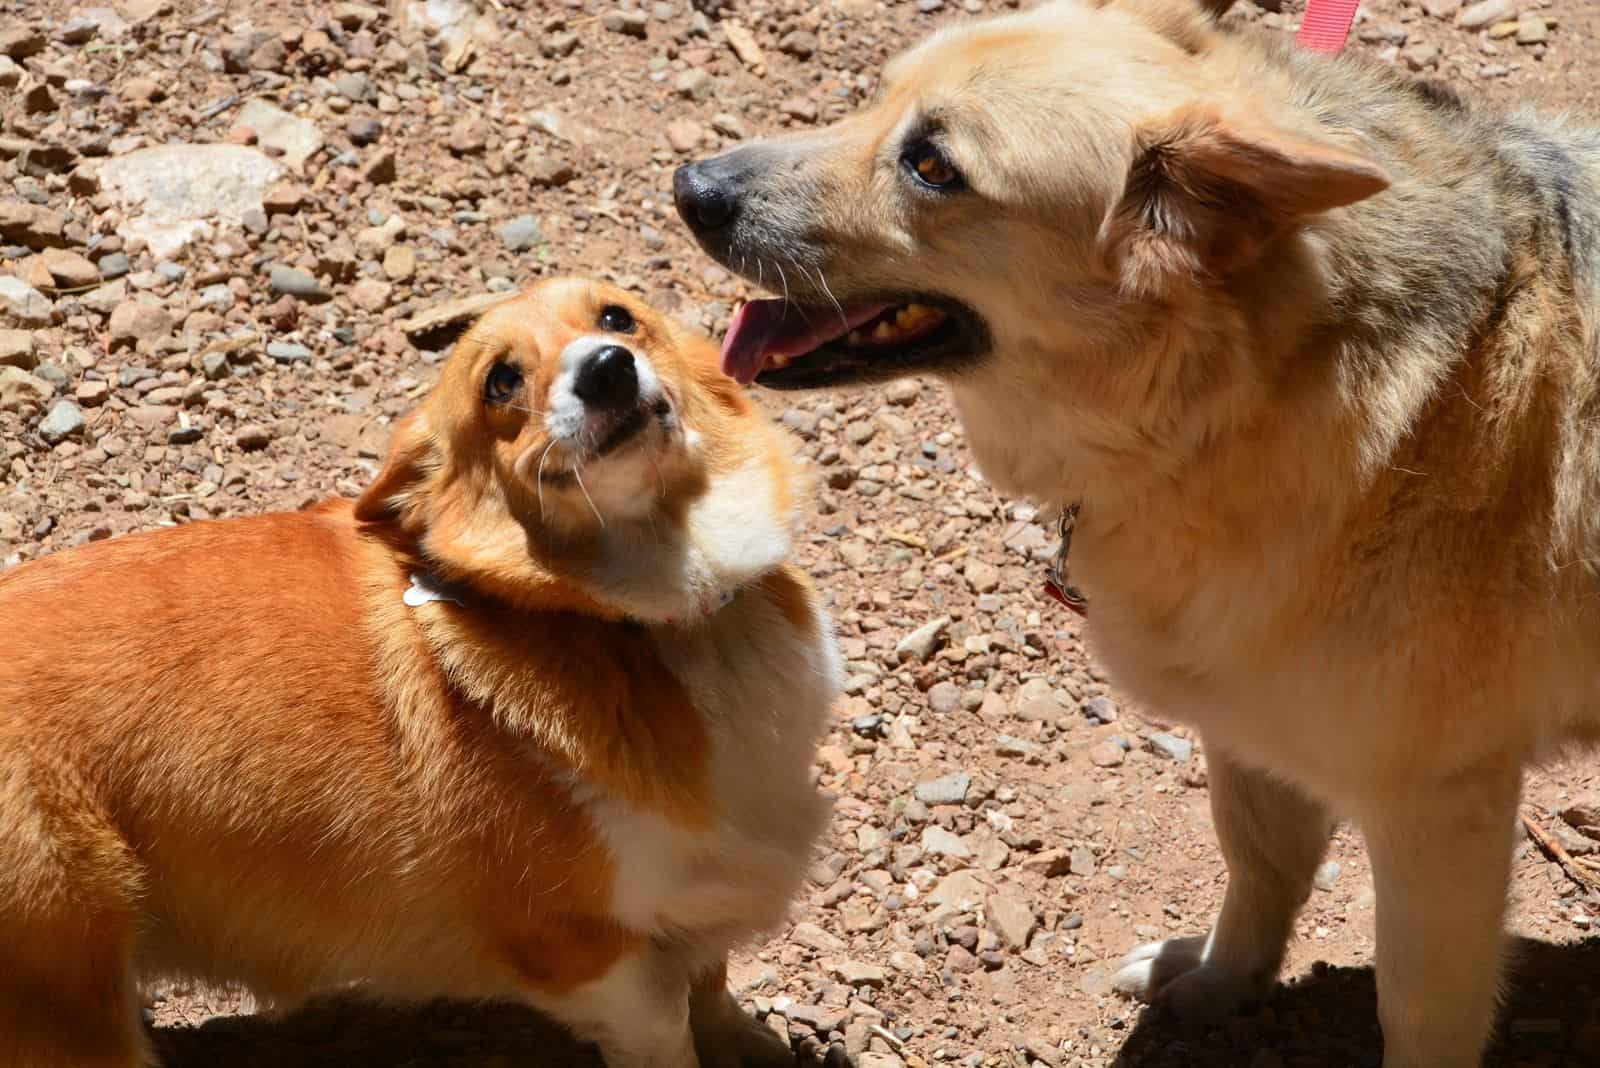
534,719
1315,349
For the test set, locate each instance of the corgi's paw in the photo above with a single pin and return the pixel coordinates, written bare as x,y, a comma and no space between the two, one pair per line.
1176,975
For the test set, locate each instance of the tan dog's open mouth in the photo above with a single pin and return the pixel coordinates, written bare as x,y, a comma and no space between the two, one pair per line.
788,345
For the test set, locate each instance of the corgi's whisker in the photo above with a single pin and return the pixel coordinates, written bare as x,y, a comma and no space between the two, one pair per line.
577,473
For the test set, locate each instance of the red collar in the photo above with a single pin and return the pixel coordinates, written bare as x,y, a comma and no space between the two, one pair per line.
1326,25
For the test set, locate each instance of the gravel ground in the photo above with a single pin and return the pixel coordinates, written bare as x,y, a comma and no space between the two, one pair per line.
1006,825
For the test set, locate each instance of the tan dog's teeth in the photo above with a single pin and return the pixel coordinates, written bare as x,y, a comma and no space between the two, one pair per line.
855,337
882,332
779,361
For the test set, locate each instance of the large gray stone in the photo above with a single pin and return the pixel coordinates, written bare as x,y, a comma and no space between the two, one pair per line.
173,192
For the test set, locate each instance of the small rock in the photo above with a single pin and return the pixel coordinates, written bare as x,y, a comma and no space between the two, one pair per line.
22,392
1171,746
938,842
92,393
684,135
1420,56
558,45
63,421
1107,755
1011,919
380,168
1327,875
946,790
68,269
275,128
297,283
961,961
799,108
22,304
802,44
1082,863
20,42
921,643
630,22
1532,30
399,263
134,321
284,198
546,171
1050,863
1100,709
252,437
694,84
744,45
113,265
364,130
813,937
371,295
16,349
1484,12
944,697
520,234
858,974
287,352
982,577
143,91
1441,9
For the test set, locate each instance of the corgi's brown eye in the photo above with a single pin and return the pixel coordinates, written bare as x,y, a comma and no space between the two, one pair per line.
928,163
615,319
502,383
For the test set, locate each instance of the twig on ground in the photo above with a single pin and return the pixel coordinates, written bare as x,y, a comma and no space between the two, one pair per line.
1553,849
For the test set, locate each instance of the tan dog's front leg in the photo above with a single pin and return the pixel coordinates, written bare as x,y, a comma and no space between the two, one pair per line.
1272,838
1441,863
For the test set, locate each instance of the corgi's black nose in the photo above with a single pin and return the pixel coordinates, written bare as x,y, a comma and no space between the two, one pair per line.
608,379
704,196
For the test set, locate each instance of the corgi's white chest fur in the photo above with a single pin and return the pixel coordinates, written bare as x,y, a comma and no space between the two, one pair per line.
763,689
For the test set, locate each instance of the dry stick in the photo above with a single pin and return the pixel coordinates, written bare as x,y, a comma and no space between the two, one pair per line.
1556,852
906,539
951,555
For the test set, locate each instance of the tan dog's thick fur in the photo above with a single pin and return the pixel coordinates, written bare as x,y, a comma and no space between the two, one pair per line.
1316,349
241,751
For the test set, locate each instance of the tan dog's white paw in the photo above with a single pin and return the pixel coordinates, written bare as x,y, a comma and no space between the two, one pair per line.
1176,975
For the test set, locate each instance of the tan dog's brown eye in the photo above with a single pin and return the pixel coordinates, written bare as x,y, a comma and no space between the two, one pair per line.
502,383
615,319
927,162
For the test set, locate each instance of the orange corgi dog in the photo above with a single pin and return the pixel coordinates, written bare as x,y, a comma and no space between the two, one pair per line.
533,719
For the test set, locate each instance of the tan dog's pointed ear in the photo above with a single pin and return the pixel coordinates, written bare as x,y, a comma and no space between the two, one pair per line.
410,446
1206,195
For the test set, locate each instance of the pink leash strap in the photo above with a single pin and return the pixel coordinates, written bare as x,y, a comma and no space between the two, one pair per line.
1326,25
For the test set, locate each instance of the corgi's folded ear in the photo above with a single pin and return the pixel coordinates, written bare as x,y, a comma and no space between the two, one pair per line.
412,456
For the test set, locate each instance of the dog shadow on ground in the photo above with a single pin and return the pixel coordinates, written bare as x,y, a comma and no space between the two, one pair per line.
1329,1019
339,1033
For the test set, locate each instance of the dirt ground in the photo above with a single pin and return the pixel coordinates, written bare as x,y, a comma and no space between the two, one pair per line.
418,154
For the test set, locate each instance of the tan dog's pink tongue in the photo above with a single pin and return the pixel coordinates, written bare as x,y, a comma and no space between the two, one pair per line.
765,328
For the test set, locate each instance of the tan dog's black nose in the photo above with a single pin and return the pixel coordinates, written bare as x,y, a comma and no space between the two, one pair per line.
705,199
608,380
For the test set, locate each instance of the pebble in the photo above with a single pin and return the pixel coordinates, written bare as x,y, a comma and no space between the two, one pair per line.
64,420
287,352
684,135
363,130
252,436
1100,709
1485,12
22,304
921,643
1107,755
520,234
938,842
399,263
291,281
134,321
17,349
1012,919
1171,746
948,789
1327,875
944,697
